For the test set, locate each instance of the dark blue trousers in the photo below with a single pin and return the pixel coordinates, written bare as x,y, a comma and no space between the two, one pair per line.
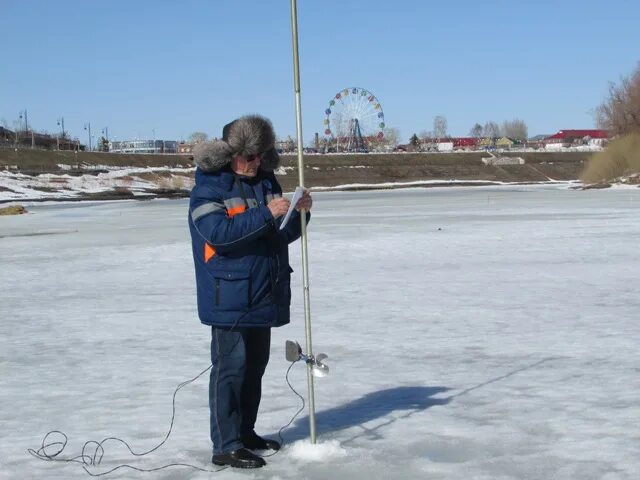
239,358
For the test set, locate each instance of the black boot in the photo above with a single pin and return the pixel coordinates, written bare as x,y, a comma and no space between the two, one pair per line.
253,441
241,458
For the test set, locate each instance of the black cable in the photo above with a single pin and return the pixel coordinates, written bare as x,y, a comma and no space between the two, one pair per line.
282,442
94,460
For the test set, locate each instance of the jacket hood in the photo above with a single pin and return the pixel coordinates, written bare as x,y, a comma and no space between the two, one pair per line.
248,135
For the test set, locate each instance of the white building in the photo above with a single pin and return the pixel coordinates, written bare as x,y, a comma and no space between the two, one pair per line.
143,146
445,146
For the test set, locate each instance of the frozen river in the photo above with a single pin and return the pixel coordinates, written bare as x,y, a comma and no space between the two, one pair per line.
473,333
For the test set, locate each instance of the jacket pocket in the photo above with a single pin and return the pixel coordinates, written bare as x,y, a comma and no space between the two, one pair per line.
282,289
232,289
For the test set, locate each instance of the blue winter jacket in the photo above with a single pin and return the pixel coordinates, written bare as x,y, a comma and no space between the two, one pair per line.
241,257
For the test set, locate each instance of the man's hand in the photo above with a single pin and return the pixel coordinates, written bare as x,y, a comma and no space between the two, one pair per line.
305,201
278,206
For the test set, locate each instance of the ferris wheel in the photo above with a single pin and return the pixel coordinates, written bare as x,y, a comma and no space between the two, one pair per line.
354,120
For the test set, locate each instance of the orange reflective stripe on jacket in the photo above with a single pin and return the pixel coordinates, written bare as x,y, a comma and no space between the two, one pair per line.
235,210
209,252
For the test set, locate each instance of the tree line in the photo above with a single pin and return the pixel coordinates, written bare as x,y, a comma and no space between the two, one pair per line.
515,129
619,113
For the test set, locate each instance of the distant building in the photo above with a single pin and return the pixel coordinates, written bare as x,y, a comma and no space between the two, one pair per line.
286,146
567,138
406,147
445,146
185,148
507,143
487,142
41,141
143,146
464,143
539,138
6,135
536,141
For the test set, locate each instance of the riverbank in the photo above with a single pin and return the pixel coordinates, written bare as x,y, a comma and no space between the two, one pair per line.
32,176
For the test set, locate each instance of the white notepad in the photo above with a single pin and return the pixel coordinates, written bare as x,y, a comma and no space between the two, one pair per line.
296,196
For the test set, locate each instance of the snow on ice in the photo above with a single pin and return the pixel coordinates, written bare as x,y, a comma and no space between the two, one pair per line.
473,333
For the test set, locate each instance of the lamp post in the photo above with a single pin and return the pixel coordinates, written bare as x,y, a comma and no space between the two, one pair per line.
87,126
26,123
105,134
23,114
61,123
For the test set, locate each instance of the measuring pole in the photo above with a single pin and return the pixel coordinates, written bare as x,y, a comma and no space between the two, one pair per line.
303,219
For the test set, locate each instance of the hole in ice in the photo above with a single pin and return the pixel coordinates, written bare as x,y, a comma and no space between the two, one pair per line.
304,450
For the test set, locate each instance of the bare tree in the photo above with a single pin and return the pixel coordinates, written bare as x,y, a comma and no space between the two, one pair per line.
620,112
289,145
391,136
103,144
198,137
490,130
339,130
427,140
440,126
516,129
476,131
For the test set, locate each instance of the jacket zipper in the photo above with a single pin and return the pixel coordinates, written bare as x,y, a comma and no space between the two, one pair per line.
217,291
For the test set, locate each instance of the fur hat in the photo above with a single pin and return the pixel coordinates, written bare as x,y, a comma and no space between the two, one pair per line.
248,135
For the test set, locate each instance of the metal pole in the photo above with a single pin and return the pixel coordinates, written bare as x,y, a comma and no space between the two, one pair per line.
303,219
105,137
87,126
61,122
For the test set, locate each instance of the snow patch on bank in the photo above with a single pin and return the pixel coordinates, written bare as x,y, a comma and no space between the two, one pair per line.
141,182
437,183
18,186
624,186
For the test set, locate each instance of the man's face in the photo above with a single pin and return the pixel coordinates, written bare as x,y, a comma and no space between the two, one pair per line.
246,165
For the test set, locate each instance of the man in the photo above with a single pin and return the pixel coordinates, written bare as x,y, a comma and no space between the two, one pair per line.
242,275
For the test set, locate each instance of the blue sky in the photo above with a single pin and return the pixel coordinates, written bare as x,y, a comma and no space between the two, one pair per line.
177,67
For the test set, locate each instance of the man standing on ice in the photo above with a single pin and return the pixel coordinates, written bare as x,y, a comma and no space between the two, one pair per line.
242,274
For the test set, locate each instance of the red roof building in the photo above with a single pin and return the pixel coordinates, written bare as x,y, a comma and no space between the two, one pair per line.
464,142
570,136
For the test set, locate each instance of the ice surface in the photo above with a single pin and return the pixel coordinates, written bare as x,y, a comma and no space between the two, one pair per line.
473,333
